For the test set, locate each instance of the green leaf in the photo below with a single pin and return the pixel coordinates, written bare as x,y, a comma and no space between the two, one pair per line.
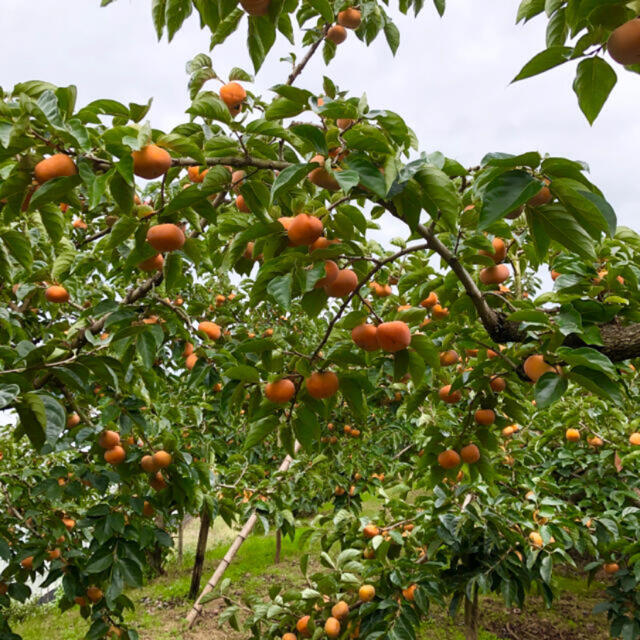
122,192
18,246
122,229
53,191
8,393
563,228
586,212
598,383
594,81
529,315
313,135
439,194
209,106
529,9
509,161
504,194
289,178
226,27
258,431
242,372
306,427
55,416
605,209
587,357
146,346
33,418
352,392
279,288
543,61
549,388
240,74
260,39
392,35
428,351
323,7
366,137
176,12
172,270
283,108
63,260
347,179
158,10
417,368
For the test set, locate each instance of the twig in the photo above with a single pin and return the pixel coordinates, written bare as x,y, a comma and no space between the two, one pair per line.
303,63
403,451
338,202
501,297
367,304
181,313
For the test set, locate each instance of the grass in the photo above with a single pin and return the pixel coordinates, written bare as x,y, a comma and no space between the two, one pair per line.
161,605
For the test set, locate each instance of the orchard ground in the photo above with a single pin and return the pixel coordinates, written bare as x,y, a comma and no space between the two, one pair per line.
161,605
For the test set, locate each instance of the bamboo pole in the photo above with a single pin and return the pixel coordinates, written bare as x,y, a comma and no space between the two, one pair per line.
196,610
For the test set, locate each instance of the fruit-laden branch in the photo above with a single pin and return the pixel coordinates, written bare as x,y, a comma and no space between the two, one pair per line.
233,549
356,291
619,342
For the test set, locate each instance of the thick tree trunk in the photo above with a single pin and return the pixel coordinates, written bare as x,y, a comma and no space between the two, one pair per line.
471,616
278,546
201,549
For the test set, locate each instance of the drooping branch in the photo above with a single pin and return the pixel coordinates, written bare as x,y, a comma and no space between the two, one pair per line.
619,342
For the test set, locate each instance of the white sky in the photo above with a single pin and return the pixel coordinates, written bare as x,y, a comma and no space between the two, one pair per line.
449,79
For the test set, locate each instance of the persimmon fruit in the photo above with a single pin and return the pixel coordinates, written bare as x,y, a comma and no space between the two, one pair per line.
304,229
162,459
494,275
59,165
624,43
210,329
109,439
336,34
321,177
56,293
350,18
448,459
345,283
154,263
115,455
485,417
393,336
166,237
535,367
151,162
470,454
322,384
448,396
280,391
331,271
366,337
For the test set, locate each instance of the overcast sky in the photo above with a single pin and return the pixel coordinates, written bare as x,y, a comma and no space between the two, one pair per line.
449,80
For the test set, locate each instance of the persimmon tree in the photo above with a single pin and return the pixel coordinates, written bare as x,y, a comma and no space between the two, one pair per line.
182,345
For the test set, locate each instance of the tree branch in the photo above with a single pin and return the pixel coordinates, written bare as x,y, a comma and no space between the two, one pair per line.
303,63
